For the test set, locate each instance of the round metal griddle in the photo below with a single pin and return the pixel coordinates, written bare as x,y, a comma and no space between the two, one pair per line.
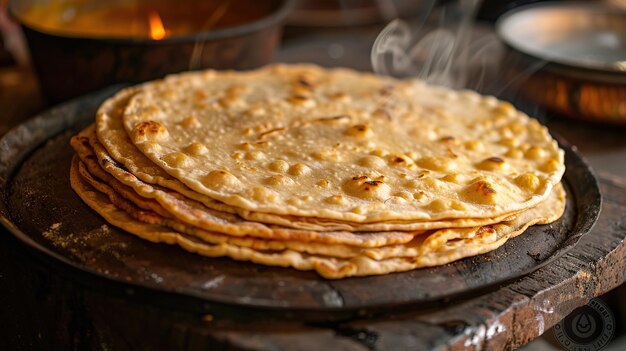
40,209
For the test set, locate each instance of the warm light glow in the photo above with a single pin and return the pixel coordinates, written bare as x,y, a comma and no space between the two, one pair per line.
157,30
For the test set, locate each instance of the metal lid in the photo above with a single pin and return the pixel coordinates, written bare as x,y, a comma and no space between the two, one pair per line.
581,35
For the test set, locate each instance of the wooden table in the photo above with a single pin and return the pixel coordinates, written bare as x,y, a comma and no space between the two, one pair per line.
40,309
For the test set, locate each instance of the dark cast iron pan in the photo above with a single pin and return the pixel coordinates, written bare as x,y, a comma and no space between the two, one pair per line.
41,211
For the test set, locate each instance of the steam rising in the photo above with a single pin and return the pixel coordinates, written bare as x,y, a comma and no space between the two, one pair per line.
446,48
441,49
195,62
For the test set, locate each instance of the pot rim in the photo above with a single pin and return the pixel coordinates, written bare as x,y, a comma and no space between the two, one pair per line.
276,16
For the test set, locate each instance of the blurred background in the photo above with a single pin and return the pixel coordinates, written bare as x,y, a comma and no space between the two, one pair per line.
51,51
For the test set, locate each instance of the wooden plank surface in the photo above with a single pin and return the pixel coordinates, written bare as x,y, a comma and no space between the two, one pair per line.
50,311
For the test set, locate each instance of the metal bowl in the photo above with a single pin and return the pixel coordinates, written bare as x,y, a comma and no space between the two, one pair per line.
574,55
70,64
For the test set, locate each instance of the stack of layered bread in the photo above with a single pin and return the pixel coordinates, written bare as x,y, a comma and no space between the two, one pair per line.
337,171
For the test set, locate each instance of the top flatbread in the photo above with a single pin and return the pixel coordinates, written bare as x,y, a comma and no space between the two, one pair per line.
338,144
117,146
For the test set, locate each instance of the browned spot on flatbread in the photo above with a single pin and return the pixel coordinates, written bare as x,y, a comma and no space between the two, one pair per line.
149,127
495,159
485,187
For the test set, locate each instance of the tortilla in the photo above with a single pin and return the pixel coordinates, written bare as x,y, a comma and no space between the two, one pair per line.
338,144
115,150
327,266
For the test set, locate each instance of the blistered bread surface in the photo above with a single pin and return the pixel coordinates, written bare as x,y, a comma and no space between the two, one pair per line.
340,144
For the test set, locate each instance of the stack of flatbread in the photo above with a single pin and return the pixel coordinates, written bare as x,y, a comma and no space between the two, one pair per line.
341,172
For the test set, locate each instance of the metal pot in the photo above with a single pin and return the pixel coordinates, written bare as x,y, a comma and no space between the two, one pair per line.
69,65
